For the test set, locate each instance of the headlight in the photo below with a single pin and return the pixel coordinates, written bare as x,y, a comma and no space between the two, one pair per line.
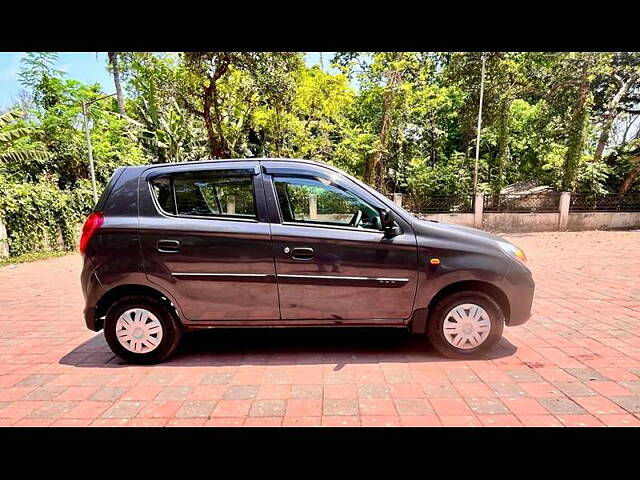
513,251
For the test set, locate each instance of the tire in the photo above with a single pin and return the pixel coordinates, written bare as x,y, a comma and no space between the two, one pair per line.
160,320
473,331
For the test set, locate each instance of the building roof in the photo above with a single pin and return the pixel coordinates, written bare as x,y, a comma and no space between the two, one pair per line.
526,187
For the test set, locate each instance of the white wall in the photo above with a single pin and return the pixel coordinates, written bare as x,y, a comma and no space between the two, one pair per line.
520,222
603,220
465,219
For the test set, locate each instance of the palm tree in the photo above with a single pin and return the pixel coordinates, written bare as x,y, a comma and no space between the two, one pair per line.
115,67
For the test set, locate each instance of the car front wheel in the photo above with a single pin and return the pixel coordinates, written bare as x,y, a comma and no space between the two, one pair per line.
465,324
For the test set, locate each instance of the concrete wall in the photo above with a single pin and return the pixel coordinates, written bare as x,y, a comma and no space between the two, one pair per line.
4,241
465,219
520,222
603,220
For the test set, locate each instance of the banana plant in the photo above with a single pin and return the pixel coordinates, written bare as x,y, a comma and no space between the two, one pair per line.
167,134
173,133
10,134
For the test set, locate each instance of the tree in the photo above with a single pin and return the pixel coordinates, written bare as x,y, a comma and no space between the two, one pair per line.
619,93
576,131
381,109
209,70
38,74
374,170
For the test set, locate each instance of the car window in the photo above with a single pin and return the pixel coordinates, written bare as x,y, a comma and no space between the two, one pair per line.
210,194
319,201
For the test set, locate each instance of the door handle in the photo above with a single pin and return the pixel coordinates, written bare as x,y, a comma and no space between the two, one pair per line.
168,246
302,253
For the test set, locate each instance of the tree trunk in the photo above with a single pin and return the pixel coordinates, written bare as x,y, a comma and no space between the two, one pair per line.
214,149
222,146
502,144
218,146
612,113
374,168
576,136
113,60
631,176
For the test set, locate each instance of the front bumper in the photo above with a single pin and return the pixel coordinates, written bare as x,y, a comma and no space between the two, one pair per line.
521,288
519,318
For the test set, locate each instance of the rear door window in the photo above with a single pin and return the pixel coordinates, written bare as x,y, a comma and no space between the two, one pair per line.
206,194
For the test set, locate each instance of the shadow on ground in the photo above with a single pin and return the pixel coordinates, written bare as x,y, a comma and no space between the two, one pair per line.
284,346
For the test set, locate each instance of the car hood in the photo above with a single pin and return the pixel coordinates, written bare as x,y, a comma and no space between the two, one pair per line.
467,238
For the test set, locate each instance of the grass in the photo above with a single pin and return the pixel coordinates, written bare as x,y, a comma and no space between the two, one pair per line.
33,257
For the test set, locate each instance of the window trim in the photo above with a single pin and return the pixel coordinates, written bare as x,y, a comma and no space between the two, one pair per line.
318,225
227,217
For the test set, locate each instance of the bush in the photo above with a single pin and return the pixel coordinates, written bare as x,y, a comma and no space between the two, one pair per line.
35,214
450,179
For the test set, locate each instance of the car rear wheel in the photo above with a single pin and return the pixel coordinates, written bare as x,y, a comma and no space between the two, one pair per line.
141,330
465,324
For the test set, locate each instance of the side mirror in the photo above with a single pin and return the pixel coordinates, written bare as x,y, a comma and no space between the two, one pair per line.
388,223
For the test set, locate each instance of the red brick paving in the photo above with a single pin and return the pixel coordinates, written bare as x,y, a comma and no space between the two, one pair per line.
575,363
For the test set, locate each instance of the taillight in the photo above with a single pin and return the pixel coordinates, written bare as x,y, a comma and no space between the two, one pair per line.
90,227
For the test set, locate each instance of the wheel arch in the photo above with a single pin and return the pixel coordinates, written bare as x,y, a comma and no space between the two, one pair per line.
126,290
419,322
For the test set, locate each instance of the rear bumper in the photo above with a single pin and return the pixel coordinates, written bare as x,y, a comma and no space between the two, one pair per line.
90,320
91,289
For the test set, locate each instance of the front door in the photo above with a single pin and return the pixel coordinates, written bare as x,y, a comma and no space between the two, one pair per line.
333,262
206,240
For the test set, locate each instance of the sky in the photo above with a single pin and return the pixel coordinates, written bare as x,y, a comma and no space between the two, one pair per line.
88,67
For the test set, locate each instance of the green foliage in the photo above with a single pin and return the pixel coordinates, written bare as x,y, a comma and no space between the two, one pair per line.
451,179
37,214
38,66
15,149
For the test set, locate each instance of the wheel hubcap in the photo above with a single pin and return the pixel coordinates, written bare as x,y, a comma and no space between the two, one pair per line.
467,326
139,331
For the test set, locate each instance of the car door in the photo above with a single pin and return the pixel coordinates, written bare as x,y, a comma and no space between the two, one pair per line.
328,268
205,239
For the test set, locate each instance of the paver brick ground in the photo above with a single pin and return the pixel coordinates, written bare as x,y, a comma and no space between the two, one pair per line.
575,363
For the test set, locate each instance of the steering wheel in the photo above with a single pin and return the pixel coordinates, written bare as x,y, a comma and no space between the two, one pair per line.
356,219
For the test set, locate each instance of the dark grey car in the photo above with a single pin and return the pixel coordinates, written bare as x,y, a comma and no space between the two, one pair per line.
275,242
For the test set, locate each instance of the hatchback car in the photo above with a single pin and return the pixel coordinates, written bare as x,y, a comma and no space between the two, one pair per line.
286,243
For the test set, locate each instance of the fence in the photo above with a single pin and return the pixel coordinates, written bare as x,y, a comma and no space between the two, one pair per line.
530,212
522,202
439,204
605,203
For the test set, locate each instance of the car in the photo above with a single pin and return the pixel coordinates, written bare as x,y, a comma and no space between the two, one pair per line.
267,242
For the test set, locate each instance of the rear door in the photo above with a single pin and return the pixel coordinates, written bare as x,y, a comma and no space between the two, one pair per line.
332,259
206,240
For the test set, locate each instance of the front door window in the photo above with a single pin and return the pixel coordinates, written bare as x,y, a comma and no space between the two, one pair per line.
319,201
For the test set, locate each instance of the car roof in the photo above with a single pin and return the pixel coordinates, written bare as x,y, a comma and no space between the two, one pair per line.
250,159
142,168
